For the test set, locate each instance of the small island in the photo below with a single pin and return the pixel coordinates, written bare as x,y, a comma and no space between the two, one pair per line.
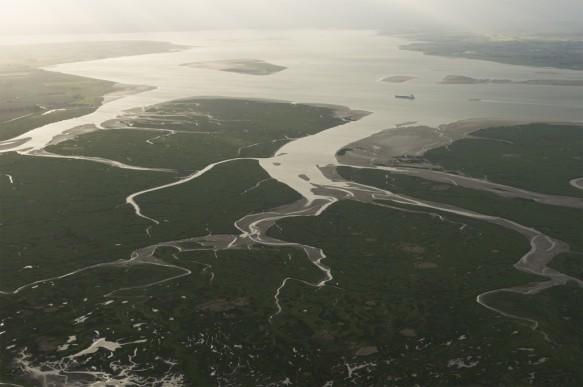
397,79
242,66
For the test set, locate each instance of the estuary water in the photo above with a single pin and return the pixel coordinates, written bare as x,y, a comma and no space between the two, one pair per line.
323,67
342,68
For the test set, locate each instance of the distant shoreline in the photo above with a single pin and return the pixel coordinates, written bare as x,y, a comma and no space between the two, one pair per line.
465,80
416,139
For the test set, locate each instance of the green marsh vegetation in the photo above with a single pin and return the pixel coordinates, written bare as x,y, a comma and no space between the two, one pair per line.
569,263
213,202
185,320
547,158
401,306
559,312
29,91
536,157
539,157
406,284
208,130
22,109
60,215
64,215
419,317
75,212
558,222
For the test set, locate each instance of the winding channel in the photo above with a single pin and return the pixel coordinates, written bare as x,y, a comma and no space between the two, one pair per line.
307,165
254,227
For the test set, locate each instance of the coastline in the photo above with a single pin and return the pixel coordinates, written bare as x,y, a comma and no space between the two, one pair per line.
123,91
307,164
415,140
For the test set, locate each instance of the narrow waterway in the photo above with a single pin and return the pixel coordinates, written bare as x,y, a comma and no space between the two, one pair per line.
341,68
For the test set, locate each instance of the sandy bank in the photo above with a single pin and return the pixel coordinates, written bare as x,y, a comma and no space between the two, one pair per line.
398,79
8,144
122,91
414,141
73,132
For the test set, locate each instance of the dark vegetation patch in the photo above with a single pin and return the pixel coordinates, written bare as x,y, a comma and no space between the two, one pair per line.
27,91
559,222
559,312
537,157
61,215
421,321
569,263
207,130
214,201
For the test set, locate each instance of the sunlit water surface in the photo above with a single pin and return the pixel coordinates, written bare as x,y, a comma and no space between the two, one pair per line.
323,67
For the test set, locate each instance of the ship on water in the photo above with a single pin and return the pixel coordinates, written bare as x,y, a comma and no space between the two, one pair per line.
410,96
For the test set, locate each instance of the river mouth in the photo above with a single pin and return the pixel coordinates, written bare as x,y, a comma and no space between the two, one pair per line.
179,268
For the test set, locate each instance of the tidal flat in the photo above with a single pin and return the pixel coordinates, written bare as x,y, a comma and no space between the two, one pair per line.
208,231
192,133
33,97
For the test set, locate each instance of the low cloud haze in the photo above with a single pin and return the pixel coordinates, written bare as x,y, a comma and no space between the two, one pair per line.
79,16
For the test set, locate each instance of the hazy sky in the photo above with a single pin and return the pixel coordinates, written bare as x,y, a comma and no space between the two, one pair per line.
66,16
